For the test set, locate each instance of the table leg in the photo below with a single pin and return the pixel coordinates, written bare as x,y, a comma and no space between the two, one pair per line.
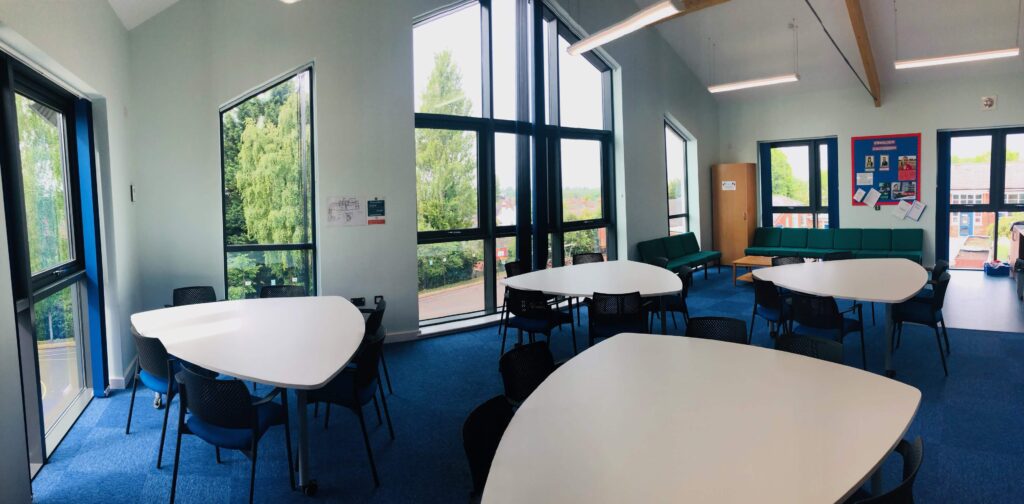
661,306
307,485
889,371
734,274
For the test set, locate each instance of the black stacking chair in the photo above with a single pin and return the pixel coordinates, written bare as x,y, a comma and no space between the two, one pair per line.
354,388
718,328
927,312
278,291
512,268
524,368
913,456
155,370
481,435
375,330
672,303
810,346
782,261
770,305
821,316
611,314
588,257
222,413
940,268
839,255
192,295
661,262
534,314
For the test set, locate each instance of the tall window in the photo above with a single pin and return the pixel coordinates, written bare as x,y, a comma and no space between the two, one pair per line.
493,185
267,161
983,174
802,176
675,167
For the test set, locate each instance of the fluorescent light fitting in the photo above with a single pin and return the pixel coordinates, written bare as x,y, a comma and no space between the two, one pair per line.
768,81
645,17
958,58
289,1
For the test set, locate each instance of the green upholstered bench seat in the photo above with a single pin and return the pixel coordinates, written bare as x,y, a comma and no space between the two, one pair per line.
680,250
817,243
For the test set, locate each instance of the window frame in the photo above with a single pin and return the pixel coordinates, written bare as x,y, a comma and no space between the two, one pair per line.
814,208
314,285
685,188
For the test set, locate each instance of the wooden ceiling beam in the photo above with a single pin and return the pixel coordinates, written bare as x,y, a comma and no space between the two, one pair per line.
860,31
691,6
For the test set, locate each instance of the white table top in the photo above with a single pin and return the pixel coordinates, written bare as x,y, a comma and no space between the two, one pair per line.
296,343
874,280
611,277
645,418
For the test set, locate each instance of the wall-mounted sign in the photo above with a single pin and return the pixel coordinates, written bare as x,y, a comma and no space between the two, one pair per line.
887,164
728,185
375,213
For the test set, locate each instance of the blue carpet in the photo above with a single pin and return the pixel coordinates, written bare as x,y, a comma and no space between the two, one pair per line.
970,423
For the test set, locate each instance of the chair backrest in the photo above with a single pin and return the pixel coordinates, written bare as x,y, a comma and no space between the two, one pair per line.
152,356
616,308
819,348
686,276
816,311
276,291
514,268
528,304
588,257
718,328
913,455
367,361
940,286
784,260
224,403
481,435
940,268
766,294
376,318
193,295
661,262
524,368
840,255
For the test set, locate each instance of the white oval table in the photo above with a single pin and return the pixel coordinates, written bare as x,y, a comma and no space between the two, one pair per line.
644,418
293,343
609,277
887,281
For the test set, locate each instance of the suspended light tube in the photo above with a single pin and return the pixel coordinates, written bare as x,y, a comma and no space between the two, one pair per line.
747,84
646,17
958,58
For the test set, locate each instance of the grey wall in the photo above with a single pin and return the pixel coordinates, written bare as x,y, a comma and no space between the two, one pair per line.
189,60
907,108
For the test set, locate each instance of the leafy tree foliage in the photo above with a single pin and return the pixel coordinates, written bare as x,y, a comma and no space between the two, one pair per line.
784,183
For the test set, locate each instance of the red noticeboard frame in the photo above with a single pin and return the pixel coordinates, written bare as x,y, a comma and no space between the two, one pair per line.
853,165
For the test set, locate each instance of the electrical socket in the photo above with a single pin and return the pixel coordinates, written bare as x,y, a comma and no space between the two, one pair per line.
377,299
358,301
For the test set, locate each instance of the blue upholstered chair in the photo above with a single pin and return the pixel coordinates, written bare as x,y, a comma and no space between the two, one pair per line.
155,371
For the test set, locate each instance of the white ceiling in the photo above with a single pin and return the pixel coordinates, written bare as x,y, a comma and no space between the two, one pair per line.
752,40
135,12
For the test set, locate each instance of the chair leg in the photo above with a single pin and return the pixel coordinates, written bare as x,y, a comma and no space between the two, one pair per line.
316,409
863,351
131,404
387,375
675,325
327,414
216,450
573,331
369,450
387,415
163,431
376,406
288,439
252,471
873,314
753,318
177,458
705,272
945,335
942,354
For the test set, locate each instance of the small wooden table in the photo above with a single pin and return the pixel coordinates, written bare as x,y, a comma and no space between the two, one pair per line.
749,262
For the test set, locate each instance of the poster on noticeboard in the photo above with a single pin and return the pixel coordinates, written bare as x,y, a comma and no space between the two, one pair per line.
888,164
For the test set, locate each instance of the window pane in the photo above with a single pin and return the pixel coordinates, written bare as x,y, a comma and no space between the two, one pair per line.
970,167
503,51
823,174
267,153
793,220
451,278
822,221
1014,192
970,239
446,179
446,53
580,91
59,342
678,225
250,271
675,166
1005,239
505,161
790,176
585,241
581,180
41,140
504,251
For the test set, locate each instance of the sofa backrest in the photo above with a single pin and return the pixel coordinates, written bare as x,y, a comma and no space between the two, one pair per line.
908,239
847,239
876,239
793,238
675,246
650,249
690,245
767,237
820,239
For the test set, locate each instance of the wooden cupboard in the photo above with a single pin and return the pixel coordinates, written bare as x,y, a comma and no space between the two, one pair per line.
734,211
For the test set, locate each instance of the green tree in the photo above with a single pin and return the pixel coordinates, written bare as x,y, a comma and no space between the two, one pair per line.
445,159
784,183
